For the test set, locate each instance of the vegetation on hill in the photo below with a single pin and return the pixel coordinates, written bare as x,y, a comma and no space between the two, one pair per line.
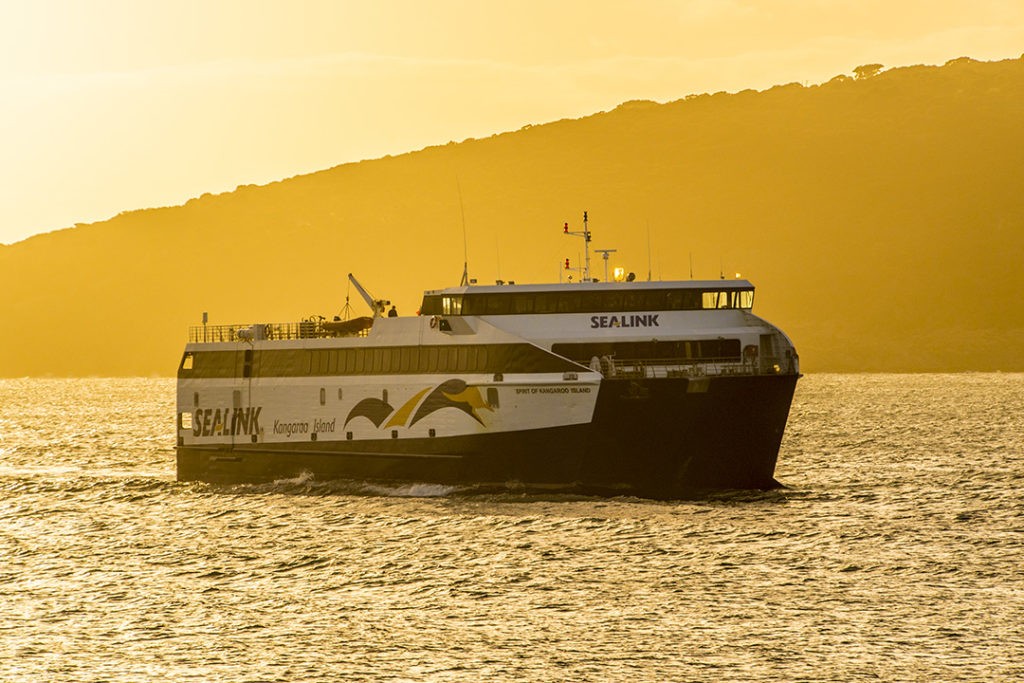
881,218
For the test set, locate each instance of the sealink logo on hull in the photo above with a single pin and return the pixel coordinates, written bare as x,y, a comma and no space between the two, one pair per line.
453,393
645,320
227,422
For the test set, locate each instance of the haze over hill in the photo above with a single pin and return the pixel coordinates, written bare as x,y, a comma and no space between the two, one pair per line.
881,218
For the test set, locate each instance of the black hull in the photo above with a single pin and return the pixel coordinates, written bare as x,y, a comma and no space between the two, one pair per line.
651,437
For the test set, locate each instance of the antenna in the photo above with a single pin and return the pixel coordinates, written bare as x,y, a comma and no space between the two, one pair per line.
585,234
586,248
465,248
721,269
648,251
691,265
604,254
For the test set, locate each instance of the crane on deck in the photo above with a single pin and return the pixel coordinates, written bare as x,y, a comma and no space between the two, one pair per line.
378,306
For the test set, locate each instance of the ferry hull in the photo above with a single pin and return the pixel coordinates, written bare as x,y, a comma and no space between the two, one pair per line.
657,437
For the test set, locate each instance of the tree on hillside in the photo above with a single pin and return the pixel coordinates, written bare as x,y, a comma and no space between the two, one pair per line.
867,70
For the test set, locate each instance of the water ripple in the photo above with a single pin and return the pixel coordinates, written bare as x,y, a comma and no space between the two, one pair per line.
892,554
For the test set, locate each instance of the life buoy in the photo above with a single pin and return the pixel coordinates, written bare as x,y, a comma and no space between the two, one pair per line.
433,321
750,352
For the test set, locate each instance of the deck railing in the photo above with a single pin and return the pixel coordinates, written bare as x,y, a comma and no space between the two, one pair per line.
305,329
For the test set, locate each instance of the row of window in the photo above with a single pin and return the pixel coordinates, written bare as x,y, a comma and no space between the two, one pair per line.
612,301
702,349
463,358
460,359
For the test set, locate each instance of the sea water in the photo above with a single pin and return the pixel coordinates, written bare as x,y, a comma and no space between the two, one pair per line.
893,553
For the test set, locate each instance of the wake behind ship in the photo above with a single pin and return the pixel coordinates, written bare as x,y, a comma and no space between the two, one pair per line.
647,388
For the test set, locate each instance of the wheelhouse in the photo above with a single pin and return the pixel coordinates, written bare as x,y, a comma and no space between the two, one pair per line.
525,300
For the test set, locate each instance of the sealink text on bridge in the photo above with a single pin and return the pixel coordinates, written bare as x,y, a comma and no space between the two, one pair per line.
645,320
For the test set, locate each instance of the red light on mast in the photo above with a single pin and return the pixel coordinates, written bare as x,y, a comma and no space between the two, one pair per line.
566,228
567,264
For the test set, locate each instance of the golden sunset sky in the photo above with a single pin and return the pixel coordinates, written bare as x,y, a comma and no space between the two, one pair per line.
112,105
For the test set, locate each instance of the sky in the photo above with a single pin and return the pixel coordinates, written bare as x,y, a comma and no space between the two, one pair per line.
114,105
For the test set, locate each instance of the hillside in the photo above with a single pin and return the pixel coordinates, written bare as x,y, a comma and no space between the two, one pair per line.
881,218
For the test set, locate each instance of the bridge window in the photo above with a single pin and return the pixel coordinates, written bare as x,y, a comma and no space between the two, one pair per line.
431,305
522,303
451,305
546,302
634,301
569,303
734,298
609,301
498,305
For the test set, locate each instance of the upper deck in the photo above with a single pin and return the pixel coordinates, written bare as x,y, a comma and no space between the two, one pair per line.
511,299
654,329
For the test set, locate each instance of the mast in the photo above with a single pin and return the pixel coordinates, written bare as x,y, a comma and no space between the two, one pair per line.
465,248
585,234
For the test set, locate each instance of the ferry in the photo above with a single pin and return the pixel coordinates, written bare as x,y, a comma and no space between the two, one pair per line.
648,388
